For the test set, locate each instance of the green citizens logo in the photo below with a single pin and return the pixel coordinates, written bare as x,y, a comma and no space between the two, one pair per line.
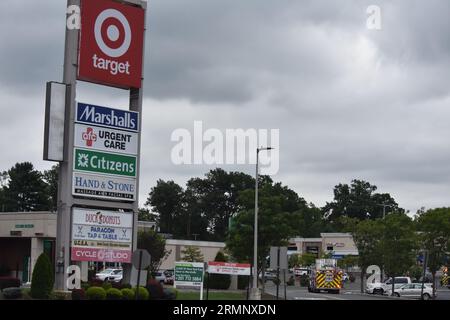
102,162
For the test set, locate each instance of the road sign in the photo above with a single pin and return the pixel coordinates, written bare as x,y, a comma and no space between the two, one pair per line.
278,258
241,269
111,43
140,255
105,139
104,163
189,274
103,187
107,117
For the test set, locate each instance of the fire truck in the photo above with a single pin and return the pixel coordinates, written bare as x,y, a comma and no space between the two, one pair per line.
326,277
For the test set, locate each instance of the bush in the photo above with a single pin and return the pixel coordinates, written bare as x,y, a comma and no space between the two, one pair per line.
12,293
78,294
170,294
113,294
291,281
127,294
58,295
304,280
155,289
96,293
142,293
107,286
9,282
26,293
43,278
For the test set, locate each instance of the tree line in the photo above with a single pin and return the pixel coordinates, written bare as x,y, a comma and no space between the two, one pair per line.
220,207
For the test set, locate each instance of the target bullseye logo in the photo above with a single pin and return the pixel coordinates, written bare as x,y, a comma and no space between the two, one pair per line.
113,32
111,43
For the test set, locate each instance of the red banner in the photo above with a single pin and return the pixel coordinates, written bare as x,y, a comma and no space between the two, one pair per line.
111,43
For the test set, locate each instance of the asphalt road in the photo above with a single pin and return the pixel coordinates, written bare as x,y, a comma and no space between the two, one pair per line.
351,293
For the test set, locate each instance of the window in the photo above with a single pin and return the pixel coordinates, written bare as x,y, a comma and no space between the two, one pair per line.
401,280
330,248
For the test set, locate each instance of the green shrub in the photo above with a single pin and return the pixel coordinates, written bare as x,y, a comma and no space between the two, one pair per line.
43,278
127,294
107,286
26,293
85,285
304,280
12,293
96,293
113,294
142,293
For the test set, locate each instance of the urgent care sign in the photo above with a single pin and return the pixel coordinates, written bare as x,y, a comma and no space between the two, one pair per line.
111,43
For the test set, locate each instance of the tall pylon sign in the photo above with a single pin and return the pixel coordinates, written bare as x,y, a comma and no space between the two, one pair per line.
97,147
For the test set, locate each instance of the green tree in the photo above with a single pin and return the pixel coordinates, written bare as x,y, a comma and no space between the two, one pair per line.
359,200
155,244
43,278
367,236
215,199
399,245
307,259
166,199
144,214
50,177
434,228
26,190
192,254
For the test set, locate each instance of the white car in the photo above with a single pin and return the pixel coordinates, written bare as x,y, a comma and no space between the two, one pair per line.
114,275
413,290
382,287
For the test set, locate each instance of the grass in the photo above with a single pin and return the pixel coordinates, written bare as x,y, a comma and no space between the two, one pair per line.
195,295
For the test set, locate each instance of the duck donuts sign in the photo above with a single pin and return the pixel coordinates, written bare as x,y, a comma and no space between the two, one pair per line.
111,43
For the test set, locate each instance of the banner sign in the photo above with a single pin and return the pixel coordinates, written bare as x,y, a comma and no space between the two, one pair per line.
105,139
102,218
242,269
107,117
101,187
111,43
100,254
189,274
105,163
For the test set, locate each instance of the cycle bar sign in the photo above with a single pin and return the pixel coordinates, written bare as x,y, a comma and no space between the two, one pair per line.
189,274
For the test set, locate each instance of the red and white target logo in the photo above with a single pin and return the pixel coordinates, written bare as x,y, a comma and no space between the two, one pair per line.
111,43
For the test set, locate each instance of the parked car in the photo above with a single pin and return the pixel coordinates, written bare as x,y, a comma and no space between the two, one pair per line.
413,290
382,287
114,275
169,279
158,276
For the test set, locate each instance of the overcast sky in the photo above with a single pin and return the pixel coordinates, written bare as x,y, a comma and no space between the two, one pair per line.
349,102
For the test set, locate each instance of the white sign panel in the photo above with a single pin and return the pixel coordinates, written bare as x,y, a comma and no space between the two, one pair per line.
102,218
101,233
105,139
103,187
241,269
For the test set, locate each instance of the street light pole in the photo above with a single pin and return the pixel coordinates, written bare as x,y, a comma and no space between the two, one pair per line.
256,294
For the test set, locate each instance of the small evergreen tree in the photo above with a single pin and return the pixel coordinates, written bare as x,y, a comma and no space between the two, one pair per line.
43,278
192,254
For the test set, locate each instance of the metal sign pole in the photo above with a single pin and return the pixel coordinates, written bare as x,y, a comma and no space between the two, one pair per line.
139,275
65,200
